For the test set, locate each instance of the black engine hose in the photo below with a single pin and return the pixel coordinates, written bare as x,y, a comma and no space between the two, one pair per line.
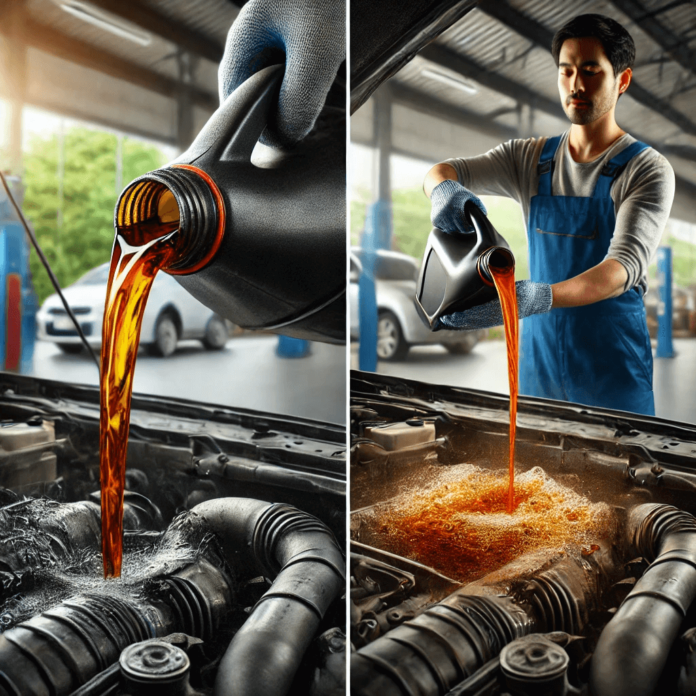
440,648
451,640
633,648
300,551
55,652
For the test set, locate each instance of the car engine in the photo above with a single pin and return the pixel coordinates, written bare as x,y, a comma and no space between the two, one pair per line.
586,588
234,567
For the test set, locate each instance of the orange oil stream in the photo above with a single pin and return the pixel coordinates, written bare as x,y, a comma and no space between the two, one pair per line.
139,252
504,279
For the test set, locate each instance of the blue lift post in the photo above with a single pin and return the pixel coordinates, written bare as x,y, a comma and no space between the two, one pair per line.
18,302
377,235
664,303
292,347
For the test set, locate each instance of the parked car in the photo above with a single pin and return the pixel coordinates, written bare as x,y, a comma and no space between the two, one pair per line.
398,325
172,314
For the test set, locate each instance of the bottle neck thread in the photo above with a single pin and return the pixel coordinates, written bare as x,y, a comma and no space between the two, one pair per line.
183,194
495,257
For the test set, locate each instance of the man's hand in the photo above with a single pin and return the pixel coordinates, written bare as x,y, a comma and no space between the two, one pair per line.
309,37
532,298
448,199
605,280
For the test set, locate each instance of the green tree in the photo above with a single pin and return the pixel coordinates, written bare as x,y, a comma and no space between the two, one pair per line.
683,260
85,237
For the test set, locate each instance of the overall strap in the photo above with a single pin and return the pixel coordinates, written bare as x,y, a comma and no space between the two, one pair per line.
613,168
545,165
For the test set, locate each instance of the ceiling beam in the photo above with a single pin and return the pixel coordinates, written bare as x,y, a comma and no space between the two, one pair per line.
447,58
672,43
418,101
50,41
533,31
149,19
102,121
687,152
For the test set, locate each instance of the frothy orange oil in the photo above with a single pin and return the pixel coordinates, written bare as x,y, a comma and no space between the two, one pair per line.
460,525
139,252
504,279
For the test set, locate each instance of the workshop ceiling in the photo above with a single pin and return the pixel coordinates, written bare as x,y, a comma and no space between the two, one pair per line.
493,72
499,51
166,53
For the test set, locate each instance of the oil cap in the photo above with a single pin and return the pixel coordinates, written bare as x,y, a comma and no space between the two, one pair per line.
533,666
155,668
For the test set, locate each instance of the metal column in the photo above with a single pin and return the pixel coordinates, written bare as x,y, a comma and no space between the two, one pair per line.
378,228
13,66
664,303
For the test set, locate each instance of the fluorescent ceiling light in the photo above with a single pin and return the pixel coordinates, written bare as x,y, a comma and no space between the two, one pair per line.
105,20
458,83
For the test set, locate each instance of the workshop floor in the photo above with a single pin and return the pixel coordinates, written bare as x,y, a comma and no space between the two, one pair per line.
246,373
485,368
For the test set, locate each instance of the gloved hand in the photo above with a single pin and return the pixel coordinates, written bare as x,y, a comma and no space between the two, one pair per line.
447,212
309,36
532,298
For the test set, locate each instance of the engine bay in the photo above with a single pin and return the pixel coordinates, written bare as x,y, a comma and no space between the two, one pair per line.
585,588
234,559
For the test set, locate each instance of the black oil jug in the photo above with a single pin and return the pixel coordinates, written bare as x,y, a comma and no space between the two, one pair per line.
263,243
455,273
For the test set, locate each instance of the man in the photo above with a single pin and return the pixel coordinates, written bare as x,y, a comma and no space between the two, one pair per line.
596,202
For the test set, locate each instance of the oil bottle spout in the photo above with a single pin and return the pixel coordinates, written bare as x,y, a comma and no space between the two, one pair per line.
456,271
261,241
496,257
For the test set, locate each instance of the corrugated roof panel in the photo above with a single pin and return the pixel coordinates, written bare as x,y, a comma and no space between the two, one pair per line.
553,14
155,56
664,80
641,121
432,139
478,35
534,70
537,72
210,17
677,19
484,101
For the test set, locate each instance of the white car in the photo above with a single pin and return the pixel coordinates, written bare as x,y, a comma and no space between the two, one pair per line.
172,314
398,325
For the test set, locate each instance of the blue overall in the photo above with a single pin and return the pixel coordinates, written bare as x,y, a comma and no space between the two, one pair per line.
600,354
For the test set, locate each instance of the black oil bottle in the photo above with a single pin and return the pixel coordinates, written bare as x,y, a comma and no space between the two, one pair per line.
455,275
262,243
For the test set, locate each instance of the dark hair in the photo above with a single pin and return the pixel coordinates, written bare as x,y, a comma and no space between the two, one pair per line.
616,41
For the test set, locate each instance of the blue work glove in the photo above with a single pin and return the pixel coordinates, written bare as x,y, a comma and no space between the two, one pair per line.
532,298
309,37
447,212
